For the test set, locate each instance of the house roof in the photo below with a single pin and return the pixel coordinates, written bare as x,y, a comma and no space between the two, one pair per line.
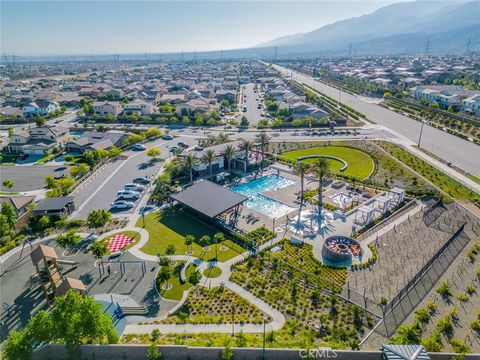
54,203
209,198
17,201
405,352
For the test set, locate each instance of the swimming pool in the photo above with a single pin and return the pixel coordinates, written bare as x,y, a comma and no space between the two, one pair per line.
261,203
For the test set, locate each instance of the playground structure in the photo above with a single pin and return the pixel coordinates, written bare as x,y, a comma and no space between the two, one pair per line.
47,274
103,266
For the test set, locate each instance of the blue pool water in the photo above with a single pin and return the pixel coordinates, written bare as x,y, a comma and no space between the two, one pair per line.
263,204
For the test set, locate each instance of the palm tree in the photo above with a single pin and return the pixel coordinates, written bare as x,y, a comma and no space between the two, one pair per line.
208,157
262,139
189,161
321,172
246,146
222,138
229,152
300,168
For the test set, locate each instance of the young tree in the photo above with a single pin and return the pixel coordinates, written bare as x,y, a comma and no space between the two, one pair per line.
99,249
164,274
153,353
195,277
98,218
170,250
204,240
68,239
153,153
8,183
244,122
189,239
9,214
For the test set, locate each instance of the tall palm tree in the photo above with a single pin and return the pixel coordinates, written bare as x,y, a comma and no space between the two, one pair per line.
321,172
246,146
189,161
208,157
300,168
262,139
229,152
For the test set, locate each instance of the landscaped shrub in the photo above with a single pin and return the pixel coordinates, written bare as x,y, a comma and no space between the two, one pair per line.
260,235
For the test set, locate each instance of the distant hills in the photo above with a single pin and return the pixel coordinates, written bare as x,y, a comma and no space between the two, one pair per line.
402,28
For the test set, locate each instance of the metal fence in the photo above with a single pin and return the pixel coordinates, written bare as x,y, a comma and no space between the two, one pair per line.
398,309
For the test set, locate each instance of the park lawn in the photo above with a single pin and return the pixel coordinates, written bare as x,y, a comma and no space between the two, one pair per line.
176,292
169,227
131,234
212,272
360,164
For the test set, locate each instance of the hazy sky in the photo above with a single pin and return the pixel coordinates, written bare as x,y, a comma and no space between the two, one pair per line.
106,27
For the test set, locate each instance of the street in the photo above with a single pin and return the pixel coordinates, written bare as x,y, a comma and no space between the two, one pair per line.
449,147
249,99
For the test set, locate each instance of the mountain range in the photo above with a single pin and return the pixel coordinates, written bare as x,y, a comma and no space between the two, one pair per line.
402,28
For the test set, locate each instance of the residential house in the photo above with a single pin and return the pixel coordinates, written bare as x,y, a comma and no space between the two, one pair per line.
172,98
138,107
471,105
229,95
19,203
40,107
197,105
95,140
107,108
302,110
37,140
55,206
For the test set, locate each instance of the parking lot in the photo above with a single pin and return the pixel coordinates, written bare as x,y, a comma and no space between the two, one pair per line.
28,177
101,189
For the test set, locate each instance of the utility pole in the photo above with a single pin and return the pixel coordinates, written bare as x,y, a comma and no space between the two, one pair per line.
421,131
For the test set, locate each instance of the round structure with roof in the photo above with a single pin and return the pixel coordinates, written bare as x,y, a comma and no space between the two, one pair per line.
340,249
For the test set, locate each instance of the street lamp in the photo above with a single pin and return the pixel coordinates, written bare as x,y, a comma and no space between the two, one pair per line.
421,131
263,352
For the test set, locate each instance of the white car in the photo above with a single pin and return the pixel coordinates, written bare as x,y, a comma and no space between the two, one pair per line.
134,187
129,195
121,204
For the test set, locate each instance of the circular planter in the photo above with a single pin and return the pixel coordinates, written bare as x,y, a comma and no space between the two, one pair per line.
167,286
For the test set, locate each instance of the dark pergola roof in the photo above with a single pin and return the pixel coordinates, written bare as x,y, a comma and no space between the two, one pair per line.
209,198
54,204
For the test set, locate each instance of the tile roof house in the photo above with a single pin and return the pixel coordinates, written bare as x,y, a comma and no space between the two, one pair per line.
19,203
95,140
107,108
197,105
38,139
40,107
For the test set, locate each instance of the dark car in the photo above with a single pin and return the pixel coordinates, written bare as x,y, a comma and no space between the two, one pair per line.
141,180
183,144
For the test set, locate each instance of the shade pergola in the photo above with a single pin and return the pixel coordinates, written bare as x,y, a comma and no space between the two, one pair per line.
208,198
70,284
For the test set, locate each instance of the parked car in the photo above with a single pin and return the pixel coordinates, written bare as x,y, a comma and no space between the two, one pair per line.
121,204
183,144
139,147
128,195
133,187
141,180
167,137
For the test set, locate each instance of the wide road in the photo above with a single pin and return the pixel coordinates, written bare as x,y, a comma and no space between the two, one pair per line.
100,190
249,99
451,148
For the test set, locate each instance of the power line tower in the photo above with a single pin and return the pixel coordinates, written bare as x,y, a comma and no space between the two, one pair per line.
276,53
350,49
469,44
427,46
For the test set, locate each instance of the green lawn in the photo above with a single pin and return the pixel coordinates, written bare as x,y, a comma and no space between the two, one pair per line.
360,164
169,227
176,292
212,272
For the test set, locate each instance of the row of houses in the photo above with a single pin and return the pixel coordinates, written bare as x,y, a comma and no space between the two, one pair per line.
38,140
456,97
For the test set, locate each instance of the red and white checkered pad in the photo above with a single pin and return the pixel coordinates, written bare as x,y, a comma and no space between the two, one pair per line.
118,242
